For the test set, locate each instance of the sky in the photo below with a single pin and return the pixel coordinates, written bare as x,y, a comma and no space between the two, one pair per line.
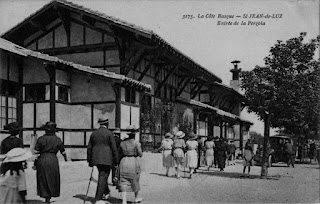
202,34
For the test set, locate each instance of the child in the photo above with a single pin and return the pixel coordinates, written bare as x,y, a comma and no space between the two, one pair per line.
247,159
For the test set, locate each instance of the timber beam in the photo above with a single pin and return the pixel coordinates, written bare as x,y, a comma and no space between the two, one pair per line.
65,19
91,25
197,90
233,105
80,48
147,68
132,61
184,86
38,25
225,101
166,78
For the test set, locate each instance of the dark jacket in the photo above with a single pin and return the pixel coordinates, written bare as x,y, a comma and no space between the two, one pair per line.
288,148
102,148
118,142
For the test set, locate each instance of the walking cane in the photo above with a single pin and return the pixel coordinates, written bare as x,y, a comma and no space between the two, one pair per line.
184,164
88,185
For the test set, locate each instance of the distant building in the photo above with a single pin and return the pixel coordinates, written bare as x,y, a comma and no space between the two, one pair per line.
107,67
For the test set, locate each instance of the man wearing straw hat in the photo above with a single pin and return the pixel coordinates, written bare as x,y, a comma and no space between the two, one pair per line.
102,152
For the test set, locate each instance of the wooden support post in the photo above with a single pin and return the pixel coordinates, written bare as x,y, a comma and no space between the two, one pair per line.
241,137
117,91
225,130
20,96
221,129
52,74
210,125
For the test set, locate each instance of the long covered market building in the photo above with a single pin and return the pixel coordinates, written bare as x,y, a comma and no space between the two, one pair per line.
71,65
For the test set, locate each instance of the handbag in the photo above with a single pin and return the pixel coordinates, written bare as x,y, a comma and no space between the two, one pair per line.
34,167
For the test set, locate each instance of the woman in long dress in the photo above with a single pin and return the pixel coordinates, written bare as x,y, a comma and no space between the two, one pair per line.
130,166
166,146
209,151
179,146
192,153
47,165
247,159
9,143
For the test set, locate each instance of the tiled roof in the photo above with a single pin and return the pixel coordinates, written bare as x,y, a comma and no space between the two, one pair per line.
129,26
11,47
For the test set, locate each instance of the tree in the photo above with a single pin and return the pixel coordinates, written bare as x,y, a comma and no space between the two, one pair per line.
285,92
287,87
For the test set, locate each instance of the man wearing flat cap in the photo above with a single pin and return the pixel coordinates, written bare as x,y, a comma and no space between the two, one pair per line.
102,152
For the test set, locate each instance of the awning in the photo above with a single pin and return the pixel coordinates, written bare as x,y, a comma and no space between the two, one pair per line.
218,111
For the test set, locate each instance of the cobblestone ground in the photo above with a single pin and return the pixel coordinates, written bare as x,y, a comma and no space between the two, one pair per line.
284,185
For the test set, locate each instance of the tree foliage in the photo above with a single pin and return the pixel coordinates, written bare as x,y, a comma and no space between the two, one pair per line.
287,86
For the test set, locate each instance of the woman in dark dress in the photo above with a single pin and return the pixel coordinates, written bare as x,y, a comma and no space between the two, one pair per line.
222,153
47,165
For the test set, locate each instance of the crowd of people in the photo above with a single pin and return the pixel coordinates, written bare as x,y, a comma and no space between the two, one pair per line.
108,153
179,153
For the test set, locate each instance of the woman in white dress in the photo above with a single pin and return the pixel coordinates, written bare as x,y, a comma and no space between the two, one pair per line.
166,146
192,153
209,153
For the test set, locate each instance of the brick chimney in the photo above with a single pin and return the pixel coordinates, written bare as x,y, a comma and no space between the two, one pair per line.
235,83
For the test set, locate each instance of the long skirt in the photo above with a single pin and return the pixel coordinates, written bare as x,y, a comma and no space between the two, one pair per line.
48,175
209,156
192,159
10,185
222,159
167,159
130,169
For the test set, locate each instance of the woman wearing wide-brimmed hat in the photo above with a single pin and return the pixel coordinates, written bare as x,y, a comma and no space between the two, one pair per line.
130,165
178,146
47,165
166,146
10,142
192,153
209,151
13,182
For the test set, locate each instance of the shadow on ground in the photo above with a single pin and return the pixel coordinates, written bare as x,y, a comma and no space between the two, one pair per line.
163,175
85,198
218,173
93,200
35,201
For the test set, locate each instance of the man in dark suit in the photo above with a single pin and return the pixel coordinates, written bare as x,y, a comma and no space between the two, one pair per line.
116,133
102,152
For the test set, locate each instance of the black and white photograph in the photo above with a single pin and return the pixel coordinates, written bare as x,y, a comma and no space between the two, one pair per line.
159,101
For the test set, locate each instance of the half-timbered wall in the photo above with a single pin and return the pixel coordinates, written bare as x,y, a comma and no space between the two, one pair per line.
9,85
